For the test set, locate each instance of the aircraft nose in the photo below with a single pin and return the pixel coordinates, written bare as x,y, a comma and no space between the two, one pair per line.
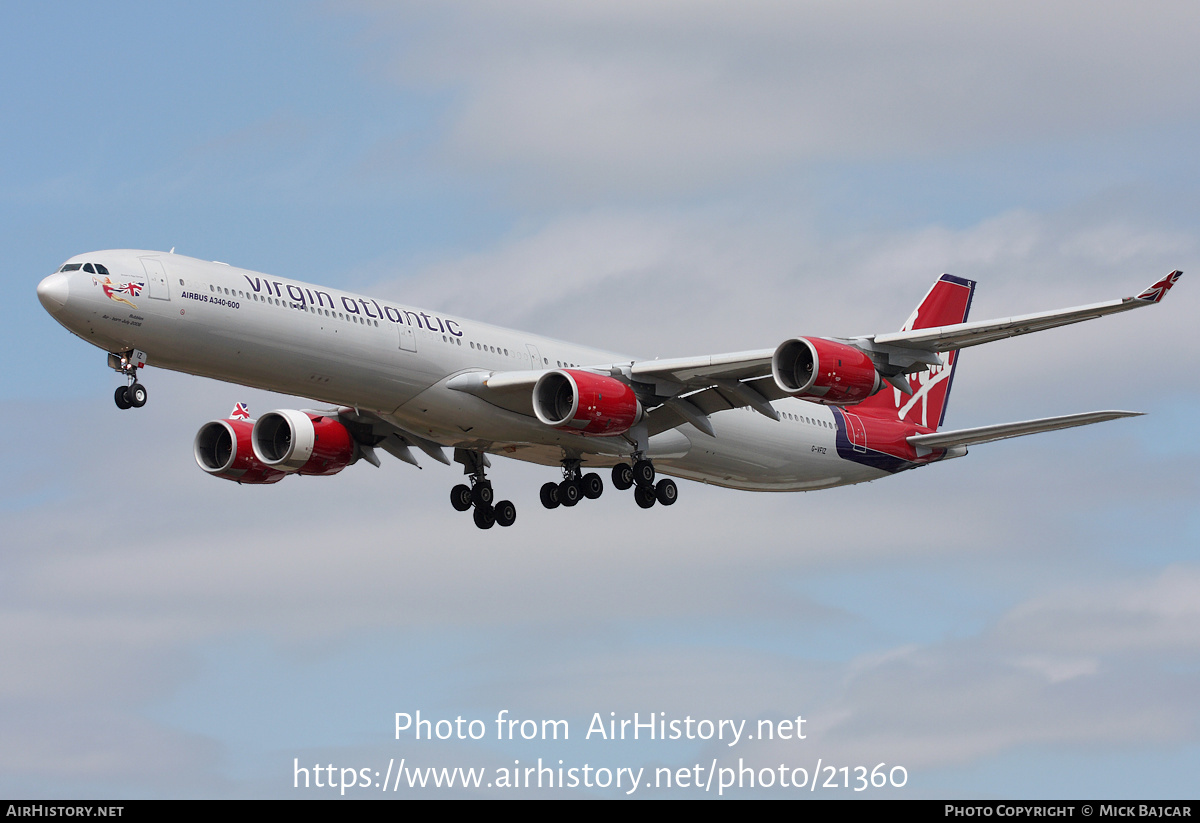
53,292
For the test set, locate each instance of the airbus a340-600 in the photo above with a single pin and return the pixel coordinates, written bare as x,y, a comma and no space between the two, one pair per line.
811,413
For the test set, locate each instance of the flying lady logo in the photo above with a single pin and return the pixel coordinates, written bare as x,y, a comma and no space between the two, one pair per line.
114,291
923,383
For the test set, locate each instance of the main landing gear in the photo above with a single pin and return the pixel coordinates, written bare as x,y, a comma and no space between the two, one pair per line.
134,394
641,476
479,494
574,487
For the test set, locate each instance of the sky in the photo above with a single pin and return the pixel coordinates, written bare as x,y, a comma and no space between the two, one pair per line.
658,178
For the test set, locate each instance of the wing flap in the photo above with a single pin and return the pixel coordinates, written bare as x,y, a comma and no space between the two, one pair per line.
395,440
690,370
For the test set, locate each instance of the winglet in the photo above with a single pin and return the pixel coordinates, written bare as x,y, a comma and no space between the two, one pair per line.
1159,290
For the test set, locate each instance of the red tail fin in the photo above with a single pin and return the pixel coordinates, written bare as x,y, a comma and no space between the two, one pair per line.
947,303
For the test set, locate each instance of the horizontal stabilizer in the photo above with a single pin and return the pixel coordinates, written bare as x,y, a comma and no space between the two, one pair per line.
986,434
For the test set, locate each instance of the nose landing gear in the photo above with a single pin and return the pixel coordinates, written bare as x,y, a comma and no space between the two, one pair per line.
132,395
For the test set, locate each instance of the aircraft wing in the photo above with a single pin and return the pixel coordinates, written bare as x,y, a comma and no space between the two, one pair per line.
961,335
749,368
1002,431
688,389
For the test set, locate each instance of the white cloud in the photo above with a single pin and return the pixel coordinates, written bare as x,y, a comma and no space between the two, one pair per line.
653,96
1146,616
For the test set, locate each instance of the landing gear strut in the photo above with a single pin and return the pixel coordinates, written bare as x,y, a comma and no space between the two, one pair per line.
574,487
479,494
132,395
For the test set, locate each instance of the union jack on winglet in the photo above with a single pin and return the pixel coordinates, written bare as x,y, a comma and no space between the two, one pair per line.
1159,290
240,412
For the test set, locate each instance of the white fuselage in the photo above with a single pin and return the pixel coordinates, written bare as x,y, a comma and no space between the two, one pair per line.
282,335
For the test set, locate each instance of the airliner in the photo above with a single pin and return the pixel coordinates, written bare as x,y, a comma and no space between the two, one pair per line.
810,413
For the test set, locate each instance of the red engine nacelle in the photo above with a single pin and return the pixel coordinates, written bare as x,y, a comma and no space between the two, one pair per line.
223,449
585,403
294,441
824,371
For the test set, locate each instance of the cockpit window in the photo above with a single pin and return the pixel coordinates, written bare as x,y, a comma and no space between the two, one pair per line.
88,268
71,267
100,269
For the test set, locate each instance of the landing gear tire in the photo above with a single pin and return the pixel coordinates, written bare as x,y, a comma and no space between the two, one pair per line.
460,497
666,492
482,496
622,476
549,495
122,398
643,473
644,495
569,493
136,394
593,486
505,513
485,516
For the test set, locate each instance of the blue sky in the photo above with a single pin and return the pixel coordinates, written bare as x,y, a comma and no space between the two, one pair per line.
657,178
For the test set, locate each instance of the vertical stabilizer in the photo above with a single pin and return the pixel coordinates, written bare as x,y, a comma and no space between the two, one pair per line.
947,303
